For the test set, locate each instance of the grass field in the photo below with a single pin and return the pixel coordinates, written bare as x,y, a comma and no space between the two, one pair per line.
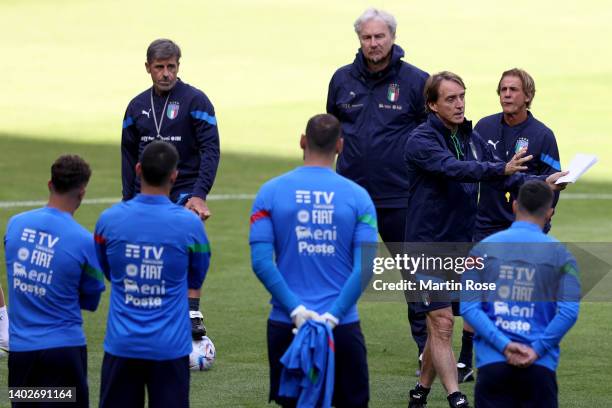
70,68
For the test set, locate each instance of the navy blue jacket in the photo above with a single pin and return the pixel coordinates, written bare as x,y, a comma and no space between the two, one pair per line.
495,206
377,112
189,123
443,188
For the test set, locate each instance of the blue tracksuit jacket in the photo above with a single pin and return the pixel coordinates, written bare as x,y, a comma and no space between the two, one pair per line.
443,188
189,123
495,206
377,112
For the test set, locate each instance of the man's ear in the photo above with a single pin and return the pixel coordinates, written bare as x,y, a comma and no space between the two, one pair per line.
173,176
50,186
303,142
549,214
514,207
138,169
339,145
433,107
148,67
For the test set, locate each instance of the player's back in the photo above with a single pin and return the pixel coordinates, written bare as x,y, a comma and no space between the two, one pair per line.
315,216
148,243
49,259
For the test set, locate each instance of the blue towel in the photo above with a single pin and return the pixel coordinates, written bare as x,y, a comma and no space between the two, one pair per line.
308,372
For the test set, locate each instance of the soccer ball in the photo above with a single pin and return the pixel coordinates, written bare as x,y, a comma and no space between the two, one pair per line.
203,355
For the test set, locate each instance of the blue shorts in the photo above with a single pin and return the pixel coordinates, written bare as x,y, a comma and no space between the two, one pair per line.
500,385
124,381
54,367
351,381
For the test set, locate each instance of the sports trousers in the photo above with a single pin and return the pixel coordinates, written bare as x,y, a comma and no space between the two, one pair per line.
391,226
351,380
124,381
54,367
501,385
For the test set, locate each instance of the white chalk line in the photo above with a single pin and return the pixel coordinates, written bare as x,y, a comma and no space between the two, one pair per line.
113,200
237,197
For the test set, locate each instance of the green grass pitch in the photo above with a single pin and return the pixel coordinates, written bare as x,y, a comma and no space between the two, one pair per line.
70,68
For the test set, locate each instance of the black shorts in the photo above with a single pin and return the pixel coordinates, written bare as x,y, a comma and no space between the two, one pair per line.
425,307
500,385
54,367
124,381
351,382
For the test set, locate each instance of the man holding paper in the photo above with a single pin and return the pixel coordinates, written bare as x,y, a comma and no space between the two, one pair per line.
506,133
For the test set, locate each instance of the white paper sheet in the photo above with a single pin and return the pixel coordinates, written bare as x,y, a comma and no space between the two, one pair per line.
577,167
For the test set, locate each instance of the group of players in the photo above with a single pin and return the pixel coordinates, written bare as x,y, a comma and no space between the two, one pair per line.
410,167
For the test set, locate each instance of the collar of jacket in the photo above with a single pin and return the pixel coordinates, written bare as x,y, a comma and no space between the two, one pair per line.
524,123
360,67
464,130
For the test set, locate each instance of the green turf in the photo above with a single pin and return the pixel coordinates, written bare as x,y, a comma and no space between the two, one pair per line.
70,67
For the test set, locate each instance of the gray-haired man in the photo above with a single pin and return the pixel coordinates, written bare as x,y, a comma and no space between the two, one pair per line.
379,101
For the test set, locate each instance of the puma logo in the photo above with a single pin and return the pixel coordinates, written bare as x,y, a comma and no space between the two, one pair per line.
493,144
144,112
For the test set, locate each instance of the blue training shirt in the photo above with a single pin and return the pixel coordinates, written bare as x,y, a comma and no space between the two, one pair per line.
315,219
151,250
537,294
51,266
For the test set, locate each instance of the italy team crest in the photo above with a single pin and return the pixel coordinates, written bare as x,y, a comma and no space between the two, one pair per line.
173,109
520,143
393,93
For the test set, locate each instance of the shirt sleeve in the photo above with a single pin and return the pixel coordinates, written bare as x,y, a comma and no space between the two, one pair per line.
199,255
424,152
130,141
568,305
204,122
100,243
261,228
364,251
473,313
331,98
92,279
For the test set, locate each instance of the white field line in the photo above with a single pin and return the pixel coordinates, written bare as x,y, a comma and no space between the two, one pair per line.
113,200
235,197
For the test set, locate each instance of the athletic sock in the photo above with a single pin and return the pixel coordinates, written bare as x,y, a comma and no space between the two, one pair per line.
467,345
4,325
194,303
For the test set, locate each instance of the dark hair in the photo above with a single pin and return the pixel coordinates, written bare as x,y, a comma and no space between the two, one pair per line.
158,161
163,48
432,86
526,81
322,133
535,198
69,172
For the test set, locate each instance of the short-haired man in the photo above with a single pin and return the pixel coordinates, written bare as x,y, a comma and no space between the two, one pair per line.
182,115
152,251
319,225
518,331
379,100
52,274
506,133
445,161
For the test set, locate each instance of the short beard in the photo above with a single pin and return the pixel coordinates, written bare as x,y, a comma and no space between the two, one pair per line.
380,62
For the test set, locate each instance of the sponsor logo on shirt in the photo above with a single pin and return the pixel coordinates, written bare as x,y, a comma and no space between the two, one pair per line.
149,138
34,275
493,144
519,282
317,238
144,112
143,285
510,318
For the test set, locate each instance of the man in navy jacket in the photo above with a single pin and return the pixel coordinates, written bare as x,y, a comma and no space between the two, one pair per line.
505,133
379,100
177,113
445,160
